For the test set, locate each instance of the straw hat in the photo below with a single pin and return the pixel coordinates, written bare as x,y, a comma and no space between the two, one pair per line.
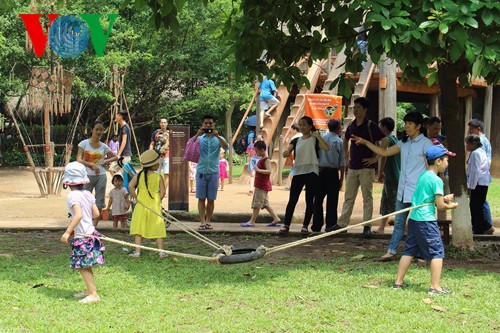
75,174
149,158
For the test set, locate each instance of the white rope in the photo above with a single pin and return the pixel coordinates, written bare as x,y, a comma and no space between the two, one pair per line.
185,228
331,233
178,254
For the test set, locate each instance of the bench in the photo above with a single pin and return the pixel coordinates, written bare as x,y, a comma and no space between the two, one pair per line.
444,227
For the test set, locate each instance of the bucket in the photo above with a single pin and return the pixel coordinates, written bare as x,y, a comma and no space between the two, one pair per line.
104,215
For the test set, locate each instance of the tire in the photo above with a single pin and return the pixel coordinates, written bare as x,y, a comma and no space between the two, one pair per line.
240,255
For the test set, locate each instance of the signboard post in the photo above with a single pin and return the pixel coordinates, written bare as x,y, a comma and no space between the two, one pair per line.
178,189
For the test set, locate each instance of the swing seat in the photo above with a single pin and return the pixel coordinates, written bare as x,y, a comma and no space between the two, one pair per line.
240,255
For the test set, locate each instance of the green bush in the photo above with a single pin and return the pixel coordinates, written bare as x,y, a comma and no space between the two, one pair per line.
18,158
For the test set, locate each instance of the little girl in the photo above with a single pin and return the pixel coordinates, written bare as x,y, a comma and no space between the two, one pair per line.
150,192
223,169
118,201
86,251
192,176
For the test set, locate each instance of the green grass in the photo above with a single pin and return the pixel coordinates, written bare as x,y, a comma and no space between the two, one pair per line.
280,294
494,197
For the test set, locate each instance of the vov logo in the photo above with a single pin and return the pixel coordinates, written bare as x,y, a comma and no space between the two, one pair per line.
68,35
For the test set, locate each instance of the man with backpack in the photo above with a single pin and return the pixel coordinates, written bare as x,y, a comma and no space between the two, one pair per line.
360,166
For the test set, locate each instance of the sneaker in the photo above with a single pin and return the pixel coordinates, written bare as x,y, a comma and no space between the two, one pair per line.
367,232
135,254
439,292
163,255
335,227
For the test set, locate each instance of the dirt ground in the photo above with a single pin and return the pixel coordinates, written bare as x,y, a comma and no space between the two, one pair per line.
20,200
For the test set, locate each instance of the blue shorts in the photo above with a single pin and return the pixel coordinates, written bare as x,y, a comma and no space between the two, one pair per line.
424,239
207,185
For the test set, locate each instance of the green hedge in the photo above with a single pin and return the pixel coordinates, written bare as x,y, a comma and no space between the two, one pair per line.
18,158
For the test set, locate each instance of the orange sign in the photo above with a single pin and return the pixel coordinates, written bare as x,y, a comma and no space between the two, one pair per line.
322,108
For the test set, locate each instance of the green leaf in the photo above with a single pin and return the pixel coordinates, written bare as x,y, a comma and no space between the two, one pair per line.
487,17
477,67
386,24
416,34
432,78
179,4
464,8
443,28
456,51
472,22
428,24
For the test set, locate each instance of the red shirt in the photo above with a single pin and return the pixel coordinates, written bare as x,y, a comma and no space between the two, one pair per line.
262,181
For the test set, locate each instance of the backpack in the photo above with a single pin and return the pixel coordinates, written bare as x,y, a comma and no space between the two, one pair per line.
241,143
369,129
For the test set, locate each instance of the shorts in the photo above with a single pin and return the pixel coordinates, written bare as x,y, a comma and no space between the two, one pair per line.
117,218
207,186
97,182
164,167
389,197
264,105
260,199
424,239
114,167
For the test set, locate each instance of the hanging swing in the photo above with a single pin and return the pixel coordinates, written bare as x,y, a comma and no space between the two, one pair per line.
226,254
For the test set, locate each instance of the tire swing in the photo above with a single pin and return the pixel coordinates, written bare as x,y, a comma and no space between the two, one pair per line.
239,255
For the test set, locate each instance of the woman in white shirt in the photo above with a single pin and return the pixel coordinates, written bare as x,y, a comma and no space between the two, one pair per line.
306,171
478,180
91,153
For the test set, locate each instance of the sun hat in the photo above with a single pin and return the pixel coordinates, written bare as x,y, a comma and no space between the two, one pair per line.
75,174
149,158
437,151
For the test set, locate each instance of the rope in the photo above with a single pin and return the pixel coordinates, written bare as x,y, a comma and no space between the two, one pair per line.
178,254
328,234
185,228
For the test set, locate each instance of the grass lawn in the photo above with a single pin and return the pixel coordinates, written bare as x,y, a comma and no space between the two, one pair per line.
327,292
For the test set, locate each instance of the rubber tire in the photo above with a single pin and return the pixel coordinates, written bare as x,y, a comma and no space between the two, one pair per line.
240,255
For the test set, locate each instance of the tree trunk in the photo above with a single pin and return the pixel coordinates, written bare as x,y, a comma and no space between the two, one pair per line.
453,117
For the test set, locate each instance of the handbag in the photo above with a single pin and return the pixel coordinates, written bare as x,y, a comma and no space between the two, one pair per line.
192,151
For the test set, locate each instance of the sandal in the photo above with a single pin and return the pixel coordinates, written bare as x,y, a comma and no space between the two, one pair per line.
163,255
247,224
284,229
304,230
135,254
274,224
207,226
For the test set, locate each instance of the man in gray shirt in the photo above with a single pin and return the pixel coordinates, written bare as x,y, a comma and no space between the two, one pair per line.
124,138
331,175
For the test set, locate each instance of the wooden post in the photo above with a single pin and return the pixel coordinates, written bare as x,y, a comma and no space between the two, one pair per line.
178,189
387,89
27,152
488,109
229,137
434,105
280,161
131,125
49,148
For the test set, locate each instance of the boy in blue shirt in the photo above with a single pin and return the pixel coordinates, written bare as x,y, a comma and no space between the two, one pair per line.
424,238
